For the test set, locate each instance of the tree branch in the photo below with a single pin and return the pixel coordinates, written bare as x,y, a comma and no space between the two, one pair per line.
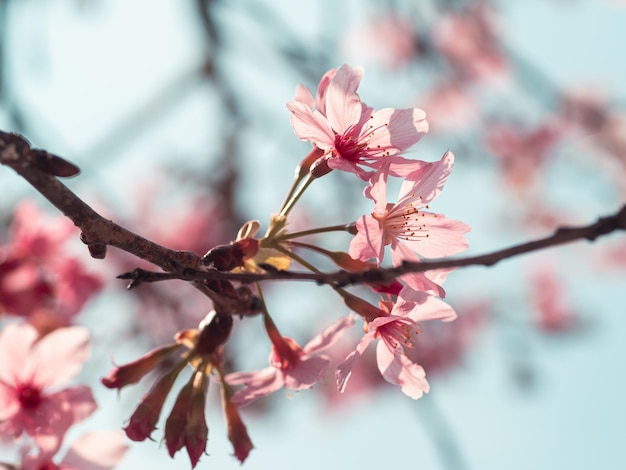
41,169
561,236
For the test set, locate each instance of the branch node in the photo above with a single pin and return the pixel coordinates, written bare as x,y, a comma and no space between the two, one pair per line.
97,250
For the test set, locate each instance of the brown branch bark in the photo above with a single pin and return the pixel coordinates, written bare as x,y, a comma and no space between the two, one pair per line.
561,236
98,232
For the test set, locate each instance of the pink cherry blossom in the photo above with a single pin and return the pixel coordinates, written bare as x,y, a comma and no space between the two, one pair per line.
38,279
98,450
398,332
469,39
303,95
291,366
387,38
522,152
425,233
352,134
450,107
31,369
554,311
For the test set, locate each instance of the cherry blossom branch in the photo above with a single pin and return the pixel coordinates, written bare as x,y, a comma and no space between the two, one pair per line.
561,236
41,169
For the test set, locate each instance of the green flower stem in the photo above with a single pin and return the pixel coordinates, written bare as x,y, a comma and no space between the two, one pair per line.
333,228
294,197
298,177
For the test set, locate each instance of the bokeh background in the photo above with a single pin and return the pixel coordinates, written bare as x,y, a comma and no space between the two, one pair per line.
175,112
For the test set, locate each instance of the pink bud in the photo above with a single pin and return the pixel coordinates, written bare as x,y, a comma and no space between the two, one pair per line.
237,432
175,424
143,420
196,431
363,308
134,371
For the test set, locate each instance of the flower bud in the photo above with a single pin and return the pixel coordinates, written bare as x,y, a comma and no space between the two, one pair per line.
196,431
143,421
306,163
134,371
176,421
237,432
214,334
320,168
223,257
362,307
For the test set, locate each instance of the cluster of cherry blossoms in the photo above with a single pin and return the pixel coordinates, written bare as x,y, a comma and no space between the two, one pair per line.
42,283
36,410
346,135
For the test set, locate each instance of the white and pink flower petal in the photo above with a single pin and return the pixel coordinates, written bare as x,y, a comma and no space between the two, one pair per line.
344,370
306,373
329,336
343,105
398,369
60,355
310,125
427,182
258,384
368,243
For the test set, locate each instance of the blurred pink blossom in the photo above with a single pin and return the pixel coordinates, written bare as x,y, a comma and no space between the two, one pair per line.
195,224
98,450
450,107
554,311
522,152
469,40
31,369
386,38
39,280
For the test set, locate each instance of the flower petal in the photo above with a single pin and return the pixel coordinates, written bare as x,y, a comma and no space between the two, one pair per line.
16,342
306,373
60,355
343,105
309,124
445,236
400,370
395,130
56,414
9,404
329,336
344,370
417,281
303,95
98,450
368,243
428,181
257,384
426,306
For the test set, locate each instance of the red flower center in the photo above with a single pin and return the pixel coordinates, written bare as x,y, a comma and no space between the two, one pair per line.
286,354
29,396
